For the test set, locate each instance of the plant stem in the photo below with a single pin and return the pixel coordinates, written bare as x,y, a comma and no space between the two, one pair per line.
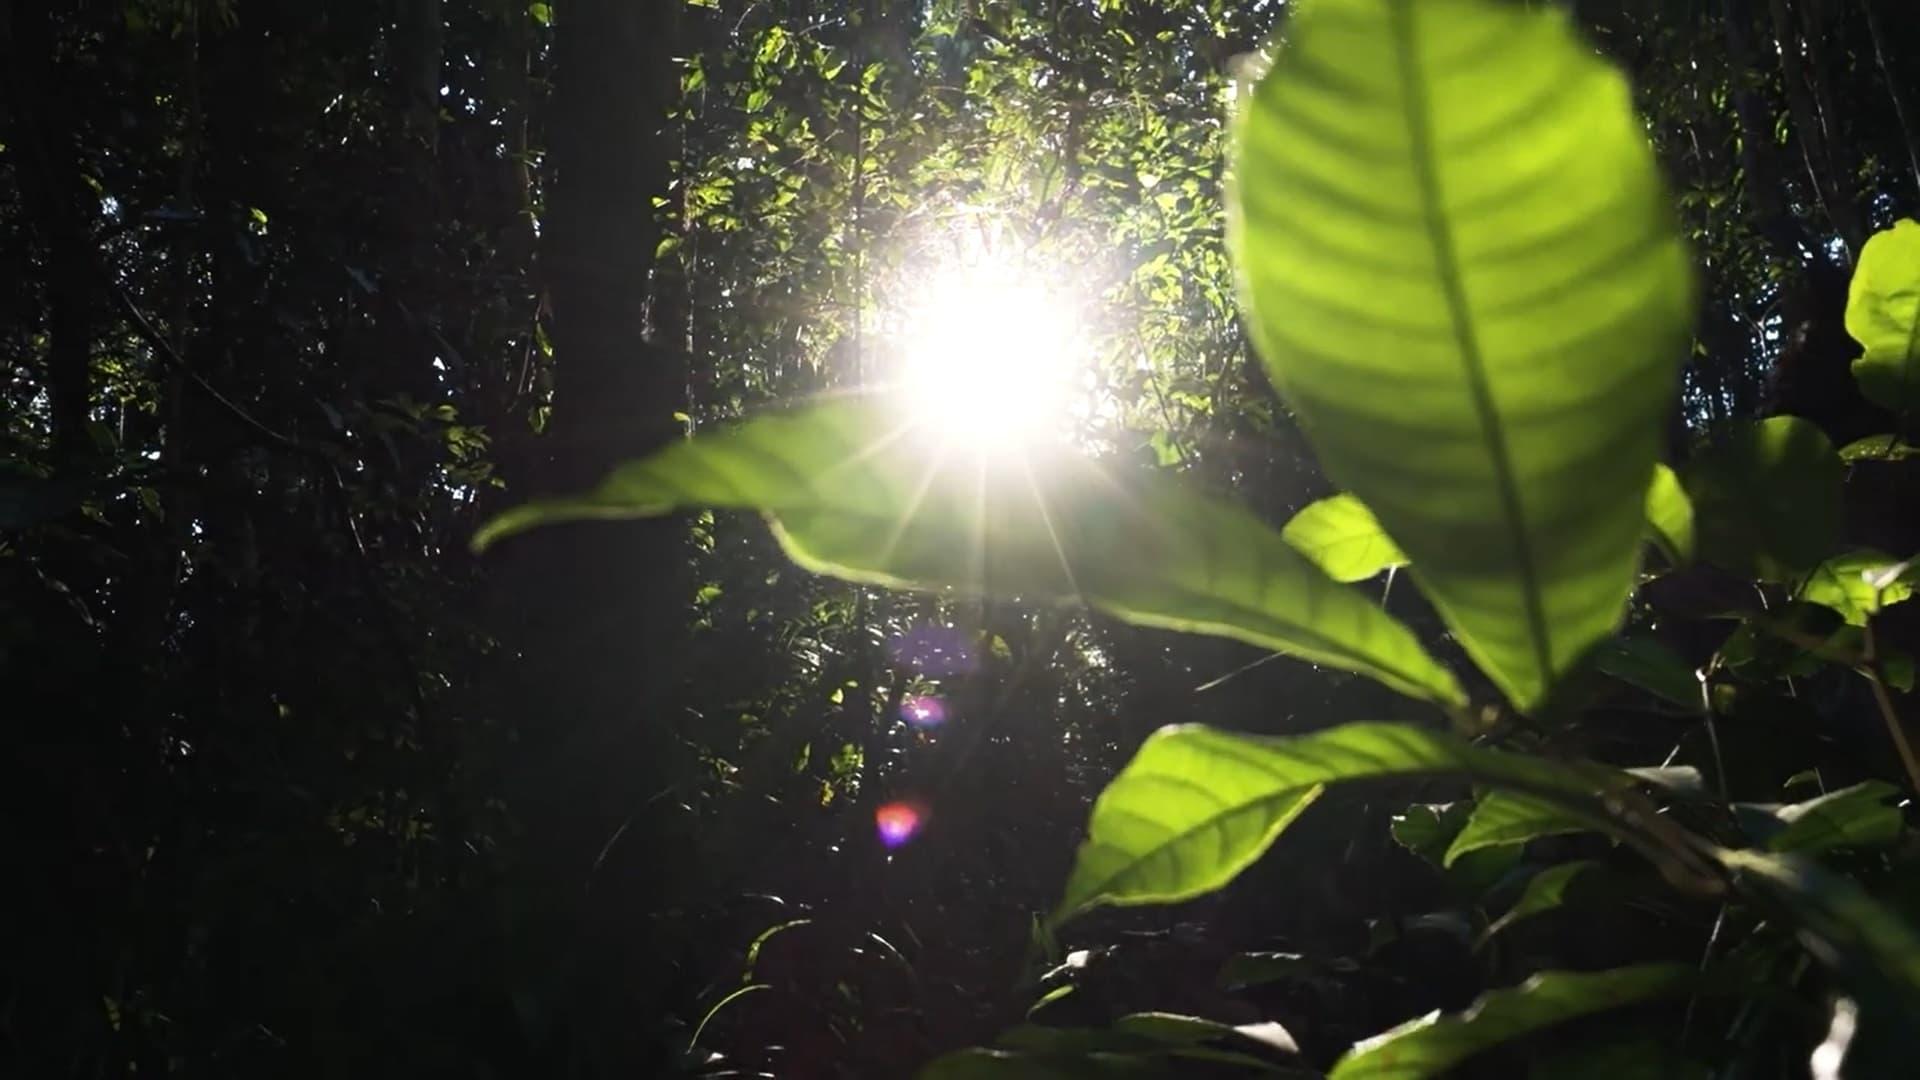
1877,679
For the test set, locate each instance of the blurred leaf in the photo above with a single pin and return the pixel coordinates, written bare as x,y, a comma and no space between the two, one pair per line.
1670,516
1883,315
1767,498
1341,536
1460,266
855,494
1197,805
1433,1044
1875,952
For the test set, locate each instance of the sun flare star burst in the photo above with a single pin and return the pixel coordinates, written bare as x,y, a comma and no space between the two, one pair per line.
990,358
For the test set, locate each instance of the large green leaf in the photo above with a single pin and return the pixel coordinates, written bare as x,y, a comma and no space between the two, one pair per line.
1766,498
853,493
1197,805
1341,536
1461,269
1883,315
1433,1044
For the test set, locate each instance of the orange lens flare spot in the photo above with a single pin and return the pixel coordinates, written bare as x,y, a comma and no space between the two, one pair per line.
897,822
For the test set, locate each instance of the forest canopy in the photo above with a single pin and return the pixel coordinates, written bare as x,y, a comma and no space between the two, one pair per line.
961,538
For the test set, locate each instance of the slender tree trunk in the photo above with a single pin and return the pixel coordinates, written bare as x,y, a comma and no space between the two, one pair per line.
1815,148
55,197
1765,188
1896,90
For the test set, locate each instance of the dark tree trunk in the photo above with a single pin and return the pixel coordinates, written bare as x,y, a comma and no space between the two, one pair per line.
599,609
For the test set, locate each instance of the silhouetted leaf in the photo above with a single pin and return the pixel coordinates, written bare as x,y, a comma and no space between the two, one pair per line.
1874,951
1460,266
1766,499
1651,666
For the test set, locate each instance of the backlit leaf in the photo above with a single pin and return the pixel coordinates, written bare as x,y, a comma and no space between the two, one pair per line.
1506,817
1878,448
1460,267
854,492
1670,516
1858,584
1883,315
1197,805
1341,536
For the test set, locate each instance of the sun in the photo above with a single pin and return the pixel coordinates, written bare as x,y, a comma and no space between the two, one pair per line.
991,357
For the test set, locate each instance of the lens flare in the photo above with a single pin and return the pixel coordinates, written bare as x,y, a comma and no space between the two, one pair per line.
924,712
897,822
933,650
992,355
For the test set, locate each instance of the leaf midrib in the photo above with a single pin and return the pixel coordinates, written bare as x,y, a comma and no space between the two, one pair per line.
1446,260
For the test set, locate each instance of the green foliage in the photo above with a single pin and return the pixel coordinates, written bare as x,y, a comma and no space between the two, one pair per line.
1433,1044
1501,818
1859,584
1341,536
1767,498
1139,1044
1545,891
1196,806
1883,315
1857,816
1456,201
1670,516
853,493
1646,663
